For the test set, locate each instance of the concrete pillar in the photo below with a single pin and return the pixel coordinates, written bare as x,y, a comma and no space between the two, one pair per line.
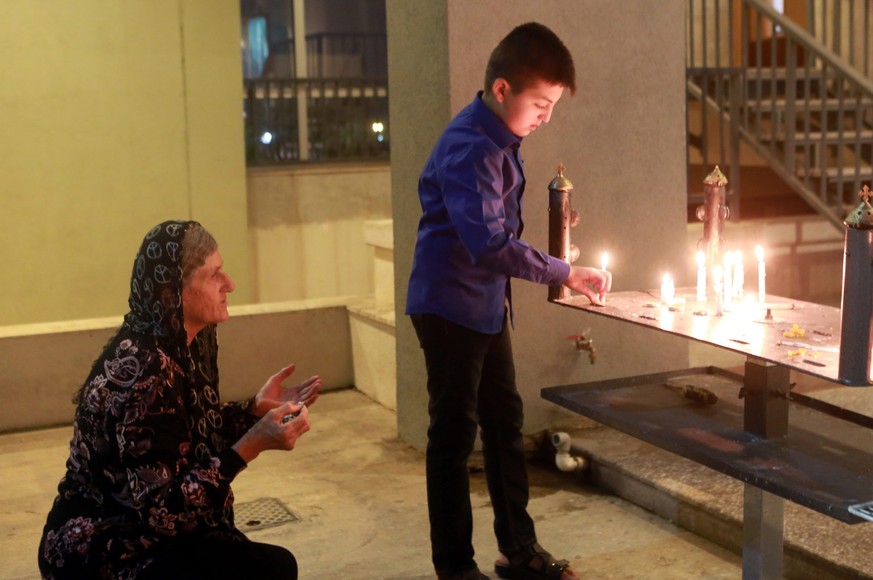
622,141
301,71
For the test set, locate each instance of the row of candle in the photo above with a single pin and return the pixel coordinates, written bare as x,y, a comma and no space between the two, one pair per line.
731,277
728,280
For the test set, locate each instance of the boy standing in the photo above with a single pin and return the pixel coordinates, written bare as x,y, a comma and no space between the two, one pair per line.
467,250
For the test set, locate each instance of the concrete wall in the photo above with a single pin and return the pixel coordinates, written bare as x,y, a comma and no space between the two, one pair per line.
115,116
621,138
307,228
43,365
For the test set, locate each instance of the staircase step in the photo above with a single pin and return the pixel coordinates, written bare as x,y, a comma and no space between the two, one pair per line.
833,173
781,74
829,138
813,105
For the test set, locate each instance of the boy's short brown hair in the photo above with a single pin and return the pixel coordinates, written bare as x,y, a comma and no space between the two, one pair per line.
531,52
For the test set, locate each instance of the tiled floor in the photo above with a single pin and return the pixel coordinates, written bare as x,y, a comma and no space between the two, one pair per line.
358,494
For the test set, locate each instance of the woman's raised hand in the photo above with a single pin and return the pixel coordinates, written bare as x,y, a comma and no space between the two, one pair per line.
273,394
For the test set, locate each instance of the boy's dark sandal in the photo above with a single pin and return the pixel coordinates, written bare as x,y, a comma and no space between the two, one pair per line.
531,563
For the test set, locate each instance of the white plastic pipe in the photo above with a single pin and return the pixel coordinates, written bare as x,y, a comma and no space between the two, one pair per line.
563,459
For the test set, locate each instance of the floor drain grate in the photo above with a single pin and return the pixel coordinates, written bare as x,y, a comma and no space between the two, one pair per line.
265,512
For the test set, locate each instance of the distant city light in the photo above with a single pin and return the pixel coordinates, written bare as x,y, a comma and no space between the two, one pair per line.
266,138
378,127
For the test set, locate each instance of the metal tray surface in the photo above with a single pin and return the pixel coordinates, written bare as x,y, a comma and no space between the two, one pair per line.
824,462
743,327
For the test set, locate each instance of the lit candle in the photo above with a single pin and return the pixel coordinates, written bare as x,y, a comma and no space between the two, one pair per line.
719,296
739,274
701,277
668,291
728,278
762,274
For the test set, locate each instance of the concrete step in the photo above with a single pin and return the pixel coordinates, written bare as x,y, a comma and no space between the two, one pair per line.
710,505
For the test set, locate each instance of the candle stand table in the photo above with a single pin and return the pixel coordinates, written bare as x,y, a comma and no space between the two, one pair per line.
821,458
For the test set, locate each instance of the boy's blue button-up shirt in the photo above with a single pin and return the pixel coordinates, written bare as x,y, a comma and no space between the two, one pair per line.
468,243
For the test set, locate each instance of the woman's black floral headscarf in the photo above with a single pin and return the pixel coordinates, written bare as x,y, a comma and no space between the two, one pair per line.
156,284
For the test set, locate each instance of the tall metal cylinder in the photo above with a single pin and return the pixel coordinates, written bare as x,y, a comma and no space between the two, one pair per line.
713,213
560,222
856,333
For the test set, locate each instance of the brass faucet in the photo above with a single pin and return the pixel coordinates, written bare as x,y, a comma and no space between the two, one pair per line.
582,342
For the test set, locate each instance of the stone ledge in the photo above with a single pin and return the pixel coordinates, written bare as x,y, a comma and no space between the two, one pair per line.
112,322
379,233
256,341
373,309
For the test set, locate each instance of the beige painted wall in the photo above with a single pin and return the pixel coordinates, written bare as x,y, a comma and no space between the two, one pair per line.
114,116
307,228
622,139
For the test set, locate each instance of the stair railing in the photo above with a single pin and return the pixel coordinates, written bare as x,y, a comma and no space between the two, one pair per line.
798,105
844,26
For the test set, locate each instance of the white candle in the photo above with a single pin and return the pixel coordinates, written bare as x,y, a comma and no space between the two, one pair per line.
668,291
762,274
719,296
739,275
728,279
701,277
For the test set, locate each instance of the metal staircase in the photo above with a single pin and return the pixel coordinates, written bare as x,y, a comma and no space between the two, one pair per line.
800,99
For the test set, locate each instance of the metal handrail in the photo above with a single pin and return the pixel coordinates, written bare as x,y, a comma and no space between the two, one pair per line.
811,43
844,25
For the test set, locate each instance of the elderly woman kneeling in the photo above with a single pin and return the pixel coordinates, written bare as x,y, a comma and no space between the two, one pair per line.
146,492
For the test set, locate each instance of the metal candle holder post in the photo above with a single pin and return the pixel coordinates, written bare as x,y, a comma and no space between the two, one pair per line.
713,213
562,217
857,303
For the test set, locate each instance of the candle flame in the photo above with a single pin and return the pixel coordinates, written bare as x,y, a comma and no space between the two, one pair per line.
604,261
701,259
759,253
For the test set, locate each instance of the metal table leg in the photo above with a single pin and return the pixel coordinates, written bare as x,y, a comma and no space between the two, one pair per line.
762,534
766,387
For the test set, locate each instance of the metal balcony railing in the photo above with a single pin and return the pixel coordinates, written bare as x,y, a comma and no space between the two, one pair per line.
339,119
798,104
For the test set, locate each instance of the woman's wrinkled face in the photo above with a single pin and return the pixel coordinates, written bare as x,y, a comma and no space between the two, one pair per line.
204,299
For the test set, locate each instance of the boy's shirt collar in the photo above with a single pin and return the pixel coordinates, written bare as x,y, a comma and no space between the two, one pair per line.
494,126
